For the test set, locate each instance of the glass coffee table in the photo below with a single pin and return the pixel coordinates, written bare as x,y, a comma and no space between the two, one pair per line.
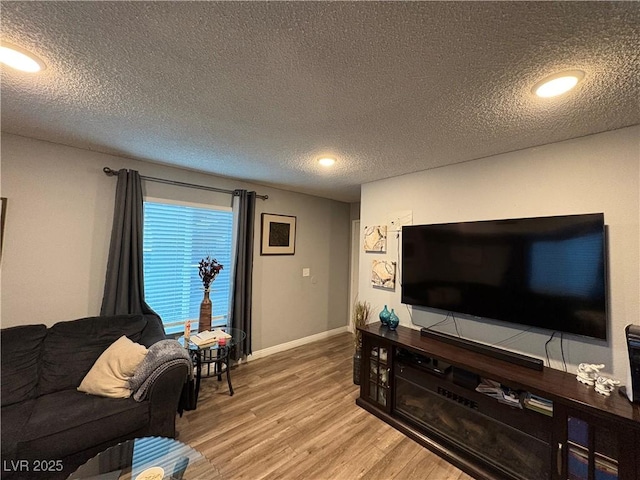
148,458
214,355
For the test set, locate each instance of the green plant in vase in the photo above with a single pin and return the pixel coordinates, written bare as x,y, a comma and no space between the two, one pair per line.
361,313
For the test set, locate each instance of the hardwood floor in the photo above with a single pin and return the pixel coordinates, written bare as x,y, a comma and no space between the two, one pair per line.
293,416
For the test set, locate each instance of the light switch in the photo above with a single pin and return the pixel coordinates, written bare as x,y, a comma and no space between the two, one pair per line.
306,272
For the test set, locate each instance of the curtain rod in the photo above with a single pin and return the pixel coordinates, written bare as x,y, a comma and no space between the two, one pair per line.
114,173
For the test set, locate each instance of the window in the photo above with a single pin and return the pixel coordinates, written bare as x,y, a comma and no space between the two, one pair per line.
176,238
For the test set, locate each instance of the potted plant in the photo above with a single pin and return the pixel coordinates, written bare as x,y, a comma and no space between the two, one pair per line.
361,312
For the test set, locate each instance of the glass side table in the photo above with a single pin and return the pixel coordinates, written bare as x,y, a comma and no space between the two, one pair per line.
147,458
214,355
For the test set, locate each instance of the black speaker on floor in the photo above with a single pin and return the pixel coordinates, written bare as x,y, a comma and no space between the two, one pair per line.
633,343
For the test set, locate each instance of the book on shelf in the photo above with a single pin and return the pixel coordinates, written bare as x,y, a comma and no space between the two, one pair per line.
537,398
205,338
546,405
538,409
538,404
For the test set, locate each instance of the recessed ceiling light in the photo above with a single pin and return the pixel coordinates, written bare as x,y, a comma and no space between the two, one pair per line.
20,59
326,161
558,83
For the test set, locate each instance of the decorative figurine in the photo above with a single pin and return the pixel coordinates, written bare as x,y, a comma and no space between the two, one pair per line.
604,385
588,373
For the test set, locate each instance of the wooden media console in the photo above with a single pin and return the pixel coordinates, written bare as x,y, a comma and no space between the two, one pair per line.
426,389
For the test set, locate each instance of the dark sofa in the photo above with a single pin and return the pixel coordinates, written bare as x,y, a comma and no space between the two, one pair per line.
44,417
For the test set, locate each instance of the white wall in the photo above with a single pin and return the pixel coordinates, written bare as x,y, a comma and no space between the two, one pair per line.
59,224
599,173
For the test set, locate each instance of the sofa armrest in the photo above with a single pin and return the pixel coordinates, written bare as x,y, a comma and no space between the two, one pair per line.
164,396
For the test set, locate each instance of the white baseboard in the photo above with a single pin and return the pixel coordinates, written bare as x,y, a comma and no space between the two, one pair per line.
265,352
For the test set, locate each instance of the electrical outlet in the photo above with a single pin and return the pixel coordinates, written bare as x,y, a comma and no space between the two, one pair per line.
306,272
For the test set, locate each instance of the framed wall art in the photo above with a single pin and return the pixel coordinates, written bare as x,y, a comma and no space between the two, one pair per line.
278,234
383,274
375,238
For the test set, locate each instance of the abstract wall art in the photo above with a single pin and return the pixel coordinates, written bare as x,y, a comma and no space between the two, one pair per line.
383,274
375,238
278,234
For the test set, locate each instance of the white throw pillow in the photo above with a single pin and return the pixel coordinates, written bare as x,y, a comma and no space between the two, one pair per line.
108,376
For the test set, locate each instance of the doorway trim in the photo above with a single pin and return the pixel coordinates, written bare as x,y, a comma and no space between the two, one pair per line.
354,266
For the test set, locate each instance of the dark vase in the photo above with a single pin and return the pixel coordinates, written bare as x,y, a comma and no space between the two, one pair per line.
357,362
384,316
393,320
206,308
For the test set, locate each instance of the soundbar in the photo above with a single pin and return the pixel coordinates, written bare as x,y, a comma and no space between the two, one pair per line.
517,358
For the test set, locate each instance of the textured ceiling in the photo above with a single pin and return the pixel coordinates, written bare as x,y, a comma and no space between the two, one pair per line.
258,90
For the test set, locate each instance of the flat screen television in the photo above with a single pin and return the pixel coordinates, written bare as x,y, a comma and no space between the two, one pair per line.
545,272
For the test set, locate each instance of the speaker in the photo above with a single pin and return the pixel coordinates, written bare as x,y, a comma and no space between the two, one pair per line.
633,343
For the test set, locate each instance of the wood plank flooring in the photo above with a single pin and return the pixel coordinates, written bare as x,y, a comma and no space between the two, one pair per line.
293,416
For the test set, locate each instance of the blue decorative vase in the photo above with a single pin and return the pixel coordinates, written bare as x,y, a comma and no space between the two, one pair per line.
384,316
393,320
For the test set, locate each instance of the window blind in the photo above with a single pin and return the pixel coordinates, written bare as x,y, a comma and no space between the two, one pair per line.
176,238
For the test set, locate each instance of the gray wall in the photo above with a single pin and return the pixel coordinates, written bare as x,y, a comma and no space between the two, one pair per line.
59,222
598,173
355,211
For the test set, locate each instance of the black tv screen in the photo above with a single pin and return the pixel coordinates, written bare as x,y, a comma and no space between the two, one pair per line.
546,272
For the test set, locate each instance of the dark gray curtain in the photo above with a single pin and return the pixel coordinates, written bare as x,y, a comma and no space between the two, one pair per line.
244,207
124,285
